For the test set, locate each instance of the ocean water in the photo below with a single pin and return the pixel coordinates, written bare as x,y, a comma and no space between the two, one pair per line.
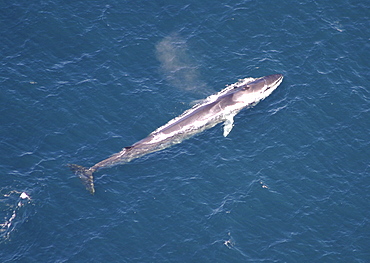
80,80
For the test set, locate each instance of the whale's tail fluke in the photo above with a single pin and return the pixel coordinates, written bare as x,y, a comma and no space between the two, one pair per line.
86,175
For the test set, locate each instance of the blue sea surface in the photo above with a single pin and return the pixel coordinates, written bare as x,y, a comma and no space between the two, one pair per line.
79,80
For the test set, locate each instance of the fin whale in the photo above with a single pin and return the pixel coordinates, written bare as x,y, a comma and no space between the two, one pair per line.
217,108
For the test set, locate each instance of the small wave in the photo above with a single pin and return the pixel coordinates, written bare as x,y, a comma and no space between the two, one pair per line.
16,201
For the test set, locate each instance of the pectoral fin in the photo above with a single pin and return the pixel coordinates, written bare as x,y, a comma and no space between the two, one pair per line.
228,125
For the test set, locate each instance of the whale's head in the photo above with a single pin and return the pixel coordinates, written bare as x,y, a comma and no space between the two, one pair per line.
258,89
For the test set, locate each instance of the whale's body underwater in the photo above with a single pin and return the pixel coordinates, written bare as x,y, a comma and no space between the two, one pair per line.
220,107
